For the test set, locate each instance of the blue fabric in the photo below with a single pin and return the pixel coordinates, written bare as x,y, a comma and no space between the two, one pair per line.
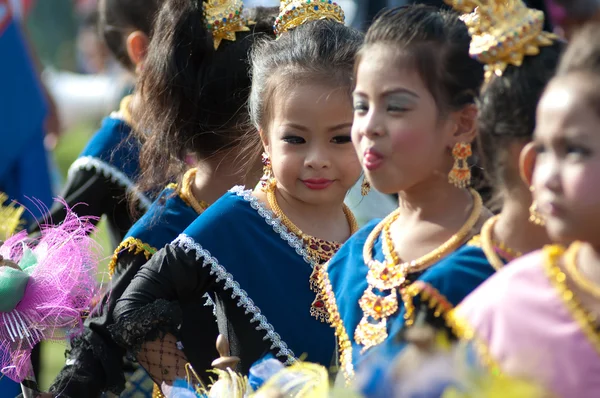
263,370
27,179
111,145
9,388
23,107
163,222
24,166
275,277
455,276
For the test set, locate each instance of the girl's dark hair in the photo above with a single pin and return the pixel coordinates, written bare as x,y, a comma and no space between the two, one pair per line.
507,109
435,42
117,17
319,51
583,56
193,96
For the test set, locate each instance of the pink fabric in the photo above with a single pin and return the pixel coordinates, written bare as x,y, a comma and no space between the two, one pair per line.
61,285
530,332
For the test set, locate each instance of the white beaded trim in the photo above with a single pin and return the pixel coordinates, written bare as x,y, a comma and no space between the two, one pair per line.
291,238
188,244
109,171
210,303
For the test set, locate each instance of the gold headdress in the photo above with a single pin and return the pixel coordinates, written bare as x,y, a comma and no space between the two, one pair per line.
502,32
10,217
293,13
224,18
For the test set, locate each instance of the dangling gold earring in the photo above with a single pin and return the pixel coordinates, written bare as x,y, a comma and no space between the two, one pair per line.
460,175
534,214
365,187
268,178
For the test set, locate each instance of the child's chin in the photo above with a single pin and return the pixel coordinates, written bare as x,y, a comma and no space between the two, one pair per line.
559,231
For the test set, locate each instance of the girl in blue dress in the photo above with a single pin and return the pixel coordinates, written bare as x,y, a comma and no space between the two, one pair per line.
258,251
210,131
414,121
103,176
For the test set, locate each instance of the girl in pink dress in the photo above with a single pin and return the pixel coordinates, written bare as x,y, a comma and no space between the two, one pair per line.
538,317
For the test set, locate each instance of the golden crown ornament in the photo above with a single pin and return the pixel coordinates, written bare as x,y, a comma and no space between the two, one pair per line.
224,19
502,32
293,13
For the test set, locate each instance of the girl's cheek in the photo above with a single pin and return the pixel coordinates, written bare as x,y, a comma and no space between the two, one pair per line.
582,184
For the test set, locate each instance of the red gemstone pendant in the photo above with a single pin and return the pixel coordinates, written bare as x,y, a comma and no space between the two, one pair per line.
318,310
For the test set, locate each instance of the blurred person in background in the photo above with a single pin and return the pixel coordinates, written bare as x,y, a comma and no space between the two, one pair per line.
100,81
27,117
102,178
27,114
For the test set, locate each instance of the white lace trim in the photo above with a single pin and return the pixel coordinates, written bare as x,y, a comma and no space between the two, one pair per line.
291,238
210,303
109,171
187,244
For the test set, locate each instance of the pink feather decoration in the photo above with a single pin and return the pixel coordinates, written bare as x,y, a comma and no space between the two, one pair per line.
58,292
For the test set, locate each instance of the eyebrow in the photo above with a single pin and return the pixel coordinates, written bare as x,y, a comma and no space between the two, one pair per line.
340,126
580,136
296,126
332,128
391,91
399,90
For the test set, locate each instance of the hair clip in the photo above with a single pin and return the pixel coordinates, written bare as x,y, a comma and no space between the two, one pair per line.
293,13
502,32
224,19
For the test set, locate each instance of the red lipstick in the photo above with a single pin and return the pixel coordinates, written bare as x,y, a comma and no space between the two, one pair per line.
317,183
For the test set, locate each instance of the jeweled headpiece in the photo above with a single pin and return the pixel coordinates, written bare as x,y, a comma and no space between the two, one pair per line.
224,19
293,13
502,32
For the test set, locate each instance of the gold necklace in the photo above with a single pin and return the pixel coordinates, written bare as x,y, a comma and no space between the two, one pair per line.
575,273
185,192
124,109
391,274
320,251
272,199
488,246
587,320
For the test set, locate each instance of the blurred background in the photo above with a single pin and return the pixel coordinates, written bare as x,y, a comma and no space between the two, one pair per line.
85,84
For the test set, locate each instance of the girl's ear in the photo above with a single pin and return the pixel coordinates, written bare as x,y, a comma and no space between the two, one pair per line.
465,125
137,47
527,163
264,139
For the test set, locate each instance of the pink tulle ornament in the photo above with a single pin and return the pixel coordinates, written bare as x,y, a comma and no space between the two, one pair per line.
51,282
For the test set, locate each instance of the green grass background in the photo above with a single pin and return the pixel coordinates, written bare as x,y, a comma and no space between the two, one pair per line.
67,150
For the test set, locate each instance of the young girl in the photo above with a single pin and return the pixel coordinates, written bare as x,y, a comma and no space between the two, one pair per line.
506,122
257,251
211,130
105,171
414,111
538,318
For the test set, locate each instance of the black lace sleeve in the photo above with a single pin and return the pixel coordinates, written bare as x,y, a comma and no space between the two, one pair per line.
95,361
90,193
149,308
85,190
